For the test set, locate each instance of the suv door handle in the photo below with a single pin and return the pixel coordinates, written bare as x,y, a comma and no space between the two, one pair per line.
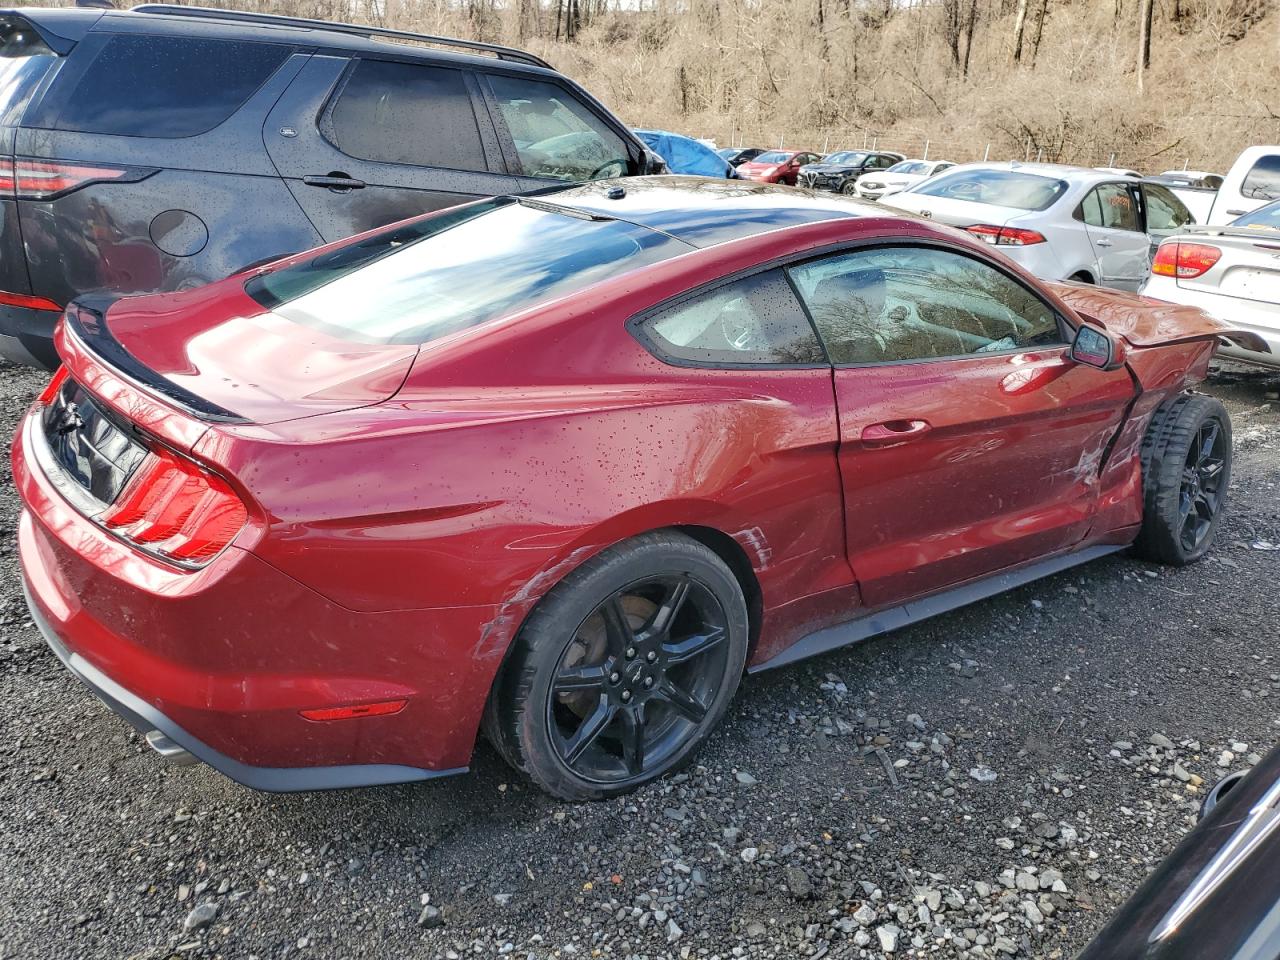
1104,242
1236,213
894,431
334,181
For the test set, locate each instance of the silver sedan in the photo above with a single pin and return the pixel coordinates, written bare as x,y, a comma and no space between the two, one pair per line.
1231,272
1059,222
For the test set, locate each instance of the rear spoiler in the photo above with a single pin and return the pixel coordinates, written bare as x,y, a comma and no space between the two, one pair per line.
59,29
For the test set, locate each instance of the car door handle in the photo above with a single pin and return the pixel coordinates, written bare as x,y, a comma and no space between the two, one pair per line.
894,431
1236,213
1104,242
334,181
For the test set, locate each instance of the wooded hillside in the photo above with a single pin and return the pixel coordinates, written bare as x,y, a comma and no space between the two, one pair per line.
1157,83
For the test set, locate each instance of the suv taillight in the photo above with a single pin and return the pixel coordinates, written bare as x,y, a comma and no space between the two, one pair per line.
1184,260
1005,236
175,510
44,180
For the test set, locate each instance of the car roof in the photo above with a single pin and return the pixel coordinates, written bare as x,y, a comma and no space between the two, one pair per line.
704,212
73,24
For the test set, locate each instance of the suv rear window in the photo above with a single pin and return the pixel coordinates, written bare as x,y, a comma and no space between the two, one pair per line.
1262,182
1001,188
406,113
424,280
148,86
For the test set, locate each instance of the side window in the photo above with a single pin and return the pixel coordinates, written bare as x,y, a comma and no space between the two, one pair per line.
1262,182
918,303
1165,212
148,86
884,163
753,320
1090,209
556,137
1116,207
406,113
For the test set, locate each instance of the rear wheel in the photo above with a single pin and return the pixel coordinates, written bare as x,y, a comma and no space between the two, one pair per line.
1186,468
622,671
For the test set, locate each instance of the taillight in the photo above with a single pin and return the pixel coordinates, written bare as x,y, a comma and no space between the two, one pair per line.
52,387
174,509
1184,260
27,301
44,179
1005,236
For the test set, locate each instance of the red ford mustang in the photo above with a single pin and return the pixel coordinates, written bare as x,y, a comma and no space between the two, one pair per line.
562,467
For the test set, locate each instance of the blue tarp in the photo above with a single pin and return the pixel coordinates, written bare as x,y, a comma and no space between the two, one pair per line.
685,155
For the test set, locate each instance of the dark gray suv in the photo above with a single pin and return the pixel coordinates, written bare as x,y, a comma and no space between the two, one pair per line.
163,147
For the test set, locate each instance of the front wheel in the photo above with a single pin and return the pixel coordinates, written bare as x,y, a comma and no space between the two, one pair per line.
622,671
1186,468
849,187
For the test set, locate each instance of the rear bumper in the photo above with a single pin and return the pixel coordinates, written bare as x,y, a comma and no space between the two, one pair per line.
1246,315
221,661
26,336
147,720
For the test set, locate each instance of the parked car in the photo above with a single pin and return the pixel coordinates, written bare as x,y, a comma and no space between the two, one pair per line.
686,155
418,499
740,155
776,166
1059,222
1121,172
1231,272
1195,188
1218,893
1254,179
162,147
901,175
840,171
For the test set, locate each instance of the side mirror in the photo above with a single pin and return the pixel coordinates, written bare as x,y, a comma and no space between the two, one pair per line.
1096,348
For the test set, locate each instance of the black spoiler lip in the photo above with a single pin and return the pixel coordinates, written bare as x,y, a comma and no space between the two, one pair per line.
61,28
86,319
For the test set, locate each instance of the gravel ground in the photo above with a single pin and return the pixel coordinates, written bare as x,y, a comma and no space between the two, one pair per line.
991,783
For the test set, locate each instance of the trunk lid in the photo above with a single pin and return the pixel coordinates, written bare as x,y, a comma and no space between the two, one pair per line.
953,212
1249,267
218,355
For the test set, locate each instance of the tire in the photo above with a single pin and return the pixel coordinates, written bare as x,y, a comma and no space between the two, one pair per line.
602,664
1186,471
849,188
1081,277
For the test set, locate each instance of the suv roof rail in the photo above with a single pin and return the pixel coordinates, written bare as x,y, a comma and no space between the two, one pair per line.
354,29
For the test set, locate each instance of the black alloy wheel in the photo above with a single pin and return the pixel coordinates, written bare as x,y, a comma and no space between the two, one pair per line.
637,677
1201,493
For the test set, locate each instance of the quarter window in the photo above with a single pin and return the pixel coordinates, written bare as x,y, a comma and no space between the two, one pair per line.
148,86
751,321
555,136
406,113
919,303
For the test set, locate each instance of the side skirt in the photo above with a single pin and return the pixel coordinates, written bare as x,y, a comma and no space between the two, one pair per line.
882,621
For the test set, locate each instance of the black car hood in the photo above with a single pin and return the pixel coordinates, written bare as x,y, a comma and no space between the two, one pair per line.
830,168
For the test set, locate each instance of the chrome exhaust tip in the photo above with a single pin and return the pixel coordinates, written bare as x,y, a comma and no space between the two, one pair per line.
173,752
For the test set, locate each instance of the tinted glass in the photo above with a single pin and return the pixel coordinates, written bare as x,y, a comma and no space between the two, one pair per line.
1268,216
24,58
428,279
1165,212
1003,188
1262,182
853,157
914,303
774,156
755,320
556,137
147,86
405,113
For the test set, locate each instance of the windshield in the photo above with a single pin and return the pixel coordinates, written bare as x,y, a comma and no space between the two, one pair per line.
438,275
774,156
1001,188
728,152
852,157
909,166
1262,218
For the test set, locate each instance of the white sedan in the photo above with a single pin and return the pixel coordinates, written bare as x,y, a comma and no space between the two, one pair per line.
882,183
1059,222
1231,272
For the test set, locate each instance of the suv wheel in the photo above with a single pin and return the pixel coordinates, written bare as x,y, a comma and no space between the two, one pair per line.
623,669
